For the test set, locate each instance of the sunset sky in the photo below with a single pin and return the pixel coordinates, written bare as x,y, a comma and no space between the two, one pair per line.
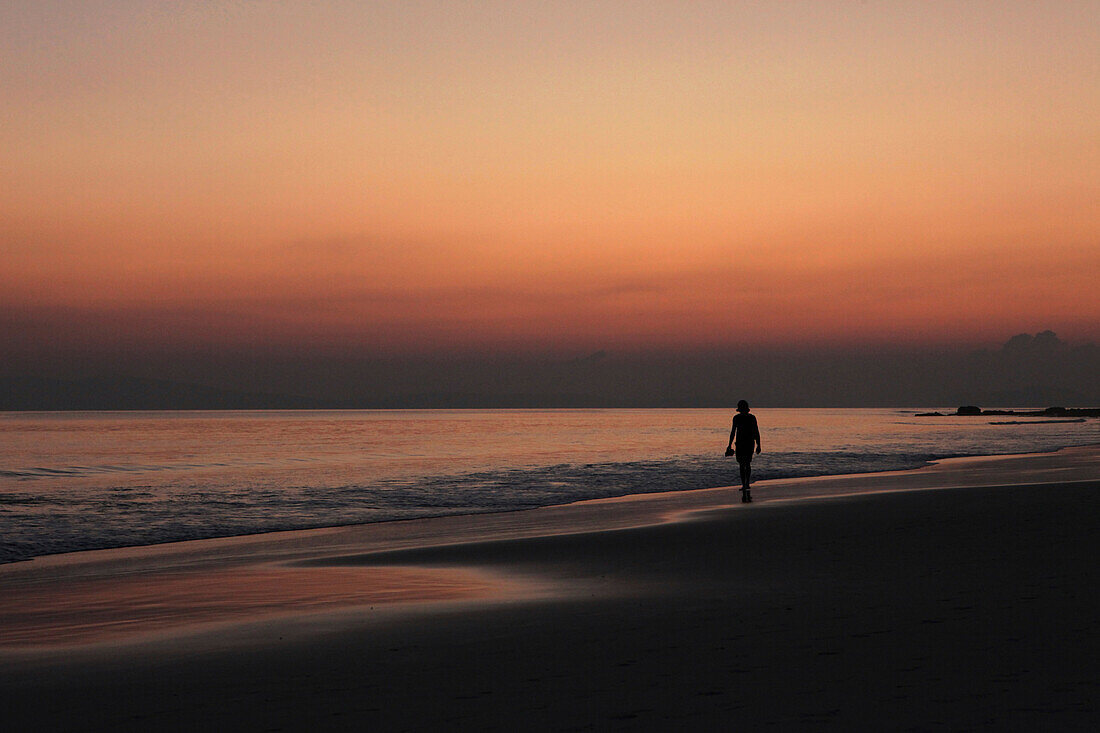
546,177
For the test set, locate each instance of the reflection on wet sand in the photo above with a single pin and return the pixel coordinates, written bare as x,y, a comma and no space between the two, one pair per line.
85,611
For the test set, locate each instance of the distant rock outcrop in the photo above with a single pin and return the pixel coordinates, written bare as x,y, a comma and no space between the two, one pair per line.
1067,412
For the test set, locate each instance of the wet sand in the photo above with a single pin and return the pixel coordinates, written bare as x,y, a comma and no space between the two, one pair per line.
962,595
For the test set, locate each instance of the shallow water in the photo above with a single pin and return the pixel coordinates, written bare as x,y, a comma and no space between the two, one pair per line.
75,481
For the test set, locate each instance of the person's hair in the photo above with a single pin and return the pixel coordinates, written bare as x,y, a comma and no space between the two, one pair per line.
742,406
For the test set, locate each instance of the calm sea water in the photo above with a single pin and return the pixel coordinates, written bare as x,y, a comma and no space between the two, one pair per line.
77,481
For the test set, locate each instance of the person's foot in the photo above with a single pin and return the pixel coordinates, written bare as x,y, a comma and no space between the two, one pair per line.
745,496
748,497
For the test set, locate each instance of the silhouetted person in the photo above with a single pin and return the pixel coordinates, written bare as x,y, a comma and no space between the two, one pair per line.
744,437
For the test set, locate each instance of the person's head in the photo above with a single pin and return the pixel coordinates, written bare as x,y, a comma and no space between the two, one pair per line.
742,406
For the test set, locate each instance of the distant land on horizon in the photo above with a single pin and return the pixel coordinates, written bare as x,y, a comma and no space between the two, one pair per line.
1027,372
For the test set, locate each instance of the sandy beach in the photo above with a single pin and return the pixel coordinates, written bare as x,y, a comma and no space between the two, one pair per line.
959,596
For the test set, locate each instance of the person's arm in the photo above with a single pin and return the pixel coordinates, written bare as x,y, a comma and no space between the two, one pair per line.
732,431
756,430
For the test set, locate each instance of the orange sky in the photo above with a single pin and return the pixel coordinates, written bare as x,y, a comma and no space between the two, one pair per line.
424,177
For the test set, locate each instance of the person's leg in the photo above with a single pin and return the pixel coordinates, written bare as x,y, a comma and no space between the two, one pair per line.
744,470
744,462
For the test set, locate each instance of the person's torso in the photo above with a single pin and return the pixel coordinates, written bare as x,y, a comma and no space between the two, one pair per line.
745,424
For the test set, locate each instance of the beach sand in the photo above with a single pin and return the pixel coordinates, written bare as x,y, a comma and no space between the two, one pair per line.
958,596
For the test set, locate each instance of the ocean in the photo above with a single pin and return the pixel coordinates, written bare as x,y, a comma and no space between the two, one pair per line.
79,481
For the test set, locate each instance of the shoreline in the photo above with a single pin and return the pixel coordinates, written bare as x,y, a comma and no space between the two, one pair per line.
920,608
899,603
765,483
303,547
